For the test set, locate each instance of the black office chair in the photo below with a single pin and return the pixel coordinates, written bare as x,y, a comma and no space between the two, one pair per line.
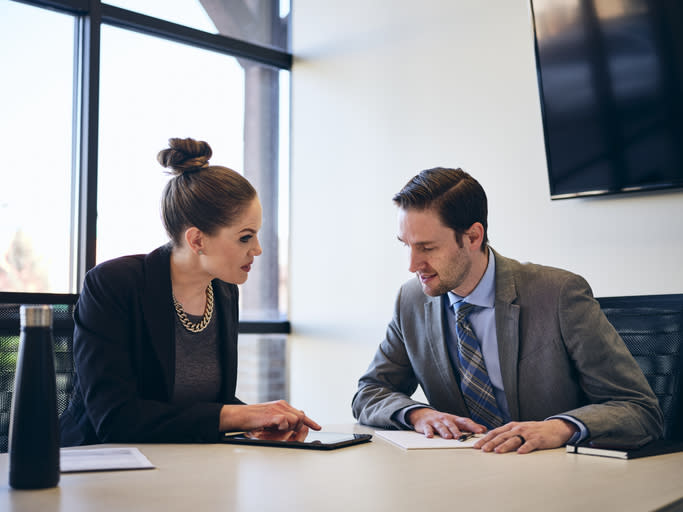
652,328
63,329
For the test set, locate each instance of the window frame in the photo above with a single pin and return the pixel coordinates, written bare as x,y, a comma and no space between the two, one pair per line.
90,15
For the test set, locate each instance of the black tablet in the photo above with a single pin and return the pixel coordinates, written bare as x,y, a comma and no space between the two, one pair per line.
314,440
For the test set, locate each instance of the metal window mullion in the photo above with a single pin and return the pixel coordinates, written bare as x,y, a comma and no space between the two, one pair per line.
76,135
69,6
89,43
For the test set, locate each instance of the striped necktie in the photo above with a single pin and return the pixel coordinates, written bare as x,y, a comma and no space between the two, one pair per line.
474,380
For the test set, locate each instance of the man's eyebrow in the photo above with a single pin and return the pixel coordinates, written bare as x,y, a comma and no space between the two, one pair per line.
416,243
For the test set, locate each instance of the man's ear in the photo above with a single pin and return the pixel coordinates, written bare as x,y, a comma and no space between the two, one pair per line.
195,240
474,235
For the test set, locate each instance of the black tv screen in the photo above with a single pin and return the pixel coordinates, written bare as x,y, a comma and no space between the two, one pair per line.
610,76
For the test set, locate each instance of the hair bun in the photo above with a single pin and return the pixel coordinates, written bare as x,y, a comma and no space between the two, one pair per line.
185,155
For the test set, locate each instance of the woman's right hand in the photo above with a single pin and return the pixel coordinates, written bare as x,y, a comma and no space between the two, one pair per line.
278,435
278,415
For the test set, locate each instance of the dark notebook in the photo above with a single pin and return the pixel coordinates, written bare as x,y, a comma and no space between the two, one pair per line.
631,448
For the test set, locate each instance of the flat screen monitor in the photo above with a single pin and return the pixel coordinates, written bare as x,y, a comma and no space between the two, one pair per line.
610,76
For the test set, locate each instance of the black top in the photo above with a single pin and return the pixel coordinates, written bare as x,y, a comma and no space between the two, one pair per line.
197,362
124,356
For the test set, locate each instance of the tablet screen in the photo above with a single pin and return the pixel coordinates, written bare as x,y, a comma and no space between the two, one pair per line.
314,440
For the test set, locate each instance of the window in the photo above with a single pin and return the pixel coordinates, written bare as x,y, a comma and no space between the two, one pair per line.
36,194
97,91
262,22
152,89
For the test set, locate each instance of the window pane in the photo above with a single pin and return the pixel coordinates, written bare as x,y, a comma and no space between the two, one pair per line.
36,94
152,90
263,22
262,368
283,185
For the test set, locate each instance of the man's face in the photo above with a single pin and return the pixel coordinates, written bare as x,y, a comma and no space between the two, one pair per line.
439,262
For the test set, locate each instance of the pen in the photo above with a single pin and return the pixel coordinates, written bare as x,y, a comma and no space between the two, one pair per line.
465,436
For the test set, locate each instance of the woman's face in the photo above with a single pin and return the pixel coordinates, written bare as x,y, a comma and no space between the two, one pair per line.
229,254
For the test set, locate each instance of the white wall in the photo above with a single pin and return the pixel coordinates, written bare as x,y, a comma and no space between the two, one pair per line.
385,88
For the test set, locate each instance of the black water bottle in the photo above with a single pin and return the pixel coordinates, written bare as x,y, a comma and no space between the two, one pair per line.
34,435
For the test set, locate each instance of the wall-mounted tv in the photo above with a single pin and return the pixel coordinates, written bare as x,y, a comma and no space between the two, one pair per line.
610,76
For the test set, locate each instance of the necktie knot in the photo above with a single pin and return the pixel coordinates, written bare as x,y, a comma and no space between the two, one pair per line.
462,309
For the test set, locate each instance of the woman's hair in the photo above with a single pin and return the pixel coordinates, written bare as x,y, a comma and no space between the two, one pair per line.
205,196
454,195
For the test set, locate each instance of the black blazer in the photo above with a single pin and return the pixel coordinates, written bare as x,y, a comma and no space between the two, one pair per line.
124,357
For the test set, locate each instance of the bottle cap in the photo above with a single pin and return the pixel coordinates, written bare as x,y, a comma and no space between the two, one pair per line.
35,316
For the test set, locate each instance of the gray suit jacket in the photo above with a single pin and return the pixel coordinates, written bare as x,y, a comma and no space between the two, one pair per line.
558,355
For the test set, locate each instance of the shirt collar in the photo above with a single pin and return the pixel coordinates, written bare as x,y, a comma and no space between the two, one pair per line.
484,294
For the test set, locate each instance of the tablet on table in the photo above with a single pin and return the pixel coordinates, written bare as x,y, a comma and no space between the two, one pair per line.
314,440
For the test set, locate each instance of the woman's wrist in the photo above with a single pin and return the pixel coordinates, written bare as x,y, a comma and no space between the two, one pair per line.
230,418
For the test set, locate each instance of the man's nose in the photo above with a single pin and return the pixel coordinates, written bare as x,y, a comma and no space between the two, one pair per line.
415,262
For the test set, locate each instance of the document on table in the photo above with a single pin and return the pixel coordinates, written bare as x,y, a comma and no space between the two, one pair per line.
411,440
102,459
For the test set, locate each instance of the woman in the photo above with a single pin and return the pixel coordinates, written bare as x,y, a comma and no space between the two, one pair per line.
155,339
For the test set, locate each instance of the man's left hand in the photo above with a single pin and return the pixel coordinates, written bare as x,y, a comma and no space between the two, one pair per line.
527,436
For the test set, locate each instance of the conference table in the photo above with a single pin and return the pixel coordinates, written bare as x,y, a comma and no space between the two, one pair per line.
375,476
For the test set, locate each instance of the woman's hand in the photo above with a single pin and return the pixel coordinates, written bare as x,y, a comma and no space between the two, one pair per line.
278,435
275,416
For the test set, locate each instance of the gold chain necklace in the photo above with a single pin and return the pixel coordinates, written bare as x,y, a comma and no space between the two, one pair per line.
208,313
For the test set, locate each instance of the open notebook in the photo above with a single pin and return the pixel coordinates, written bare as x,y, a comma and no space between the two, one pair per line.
411,440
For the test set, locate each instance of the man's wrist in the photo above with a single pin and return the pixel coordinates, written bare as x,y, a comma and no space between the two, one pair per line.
579,431
411,412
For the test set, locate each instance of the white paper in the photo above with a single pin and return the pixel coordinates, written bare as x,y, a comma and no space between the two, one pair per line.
102,459
411,440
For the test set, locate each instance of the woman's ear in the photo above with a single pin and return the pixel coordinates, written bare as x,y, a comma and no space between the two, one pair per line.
195,240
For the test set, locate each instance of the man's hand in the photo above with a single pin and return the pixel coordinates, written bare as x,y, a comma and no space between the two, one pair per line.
430,422
527,436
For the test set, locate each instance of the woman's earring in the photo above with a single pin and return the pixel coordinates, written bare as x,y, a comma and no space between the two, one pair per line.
200,252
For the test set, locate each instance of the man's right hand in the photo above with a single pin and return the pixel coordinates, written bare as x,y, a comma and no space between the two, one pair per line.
430,422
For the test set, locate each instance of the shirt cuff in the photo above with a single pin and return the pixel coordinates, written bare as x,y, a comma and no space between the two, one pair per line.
580,434
400,415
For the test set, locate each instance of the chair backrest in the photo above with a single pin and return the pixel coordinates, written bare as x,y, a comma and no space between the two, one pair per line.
62,327
652,328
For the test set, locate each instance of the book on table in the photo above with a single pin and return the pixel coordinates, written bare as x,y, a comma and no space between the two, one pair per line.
625,448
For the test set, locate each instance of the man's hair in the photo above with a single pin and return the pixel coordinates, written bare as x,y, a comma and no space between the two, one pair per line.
457,198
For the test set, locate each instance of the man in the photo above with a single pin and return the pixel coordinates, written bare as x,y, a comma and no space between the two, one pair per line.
535,361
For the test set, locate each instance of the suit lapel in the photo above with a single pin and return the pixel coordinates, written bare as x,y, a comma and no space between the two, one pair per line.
158,312
436,340
507,331
226,340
